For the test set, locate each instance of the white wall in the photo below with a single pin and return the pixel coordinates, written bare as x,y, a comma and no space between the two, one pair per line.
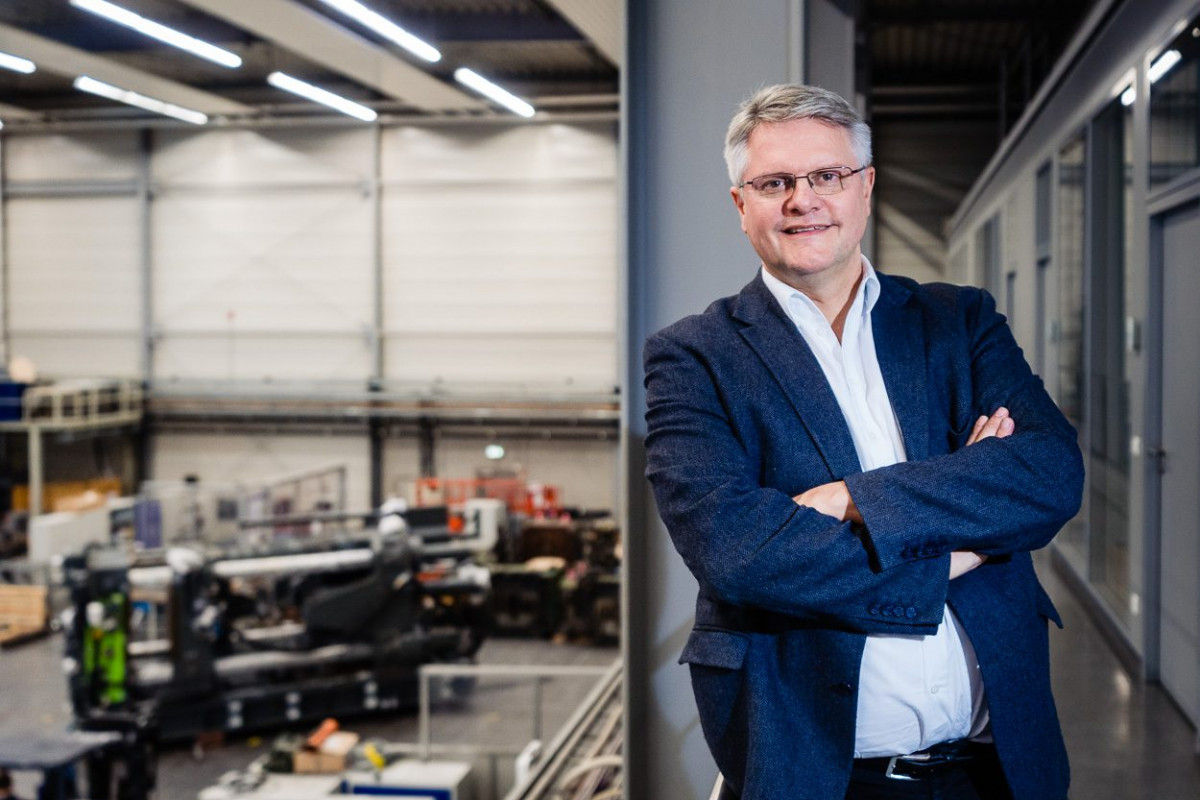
262,254
497,246
500,250
74,277
494,247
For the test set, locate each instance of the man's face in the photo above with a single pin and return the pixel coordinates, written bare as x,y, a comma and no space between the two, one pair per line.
803,238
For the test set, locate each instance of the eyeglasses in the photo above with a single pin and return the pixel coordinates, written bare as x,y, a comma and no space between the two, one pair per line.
829,180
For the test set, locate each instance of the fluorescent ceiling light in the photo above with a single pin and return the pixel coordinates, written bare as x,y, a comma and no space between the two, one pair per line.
486,88
286,82
155,30
85,84
1128,96
386,28
1163,64
16,63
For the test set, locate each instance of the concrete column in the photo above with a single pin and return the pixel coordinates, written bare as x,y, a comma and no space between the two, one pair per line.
688,65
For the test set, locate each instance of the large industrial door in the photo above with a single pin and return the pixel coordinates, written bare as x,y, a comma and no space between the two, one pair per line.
1179,555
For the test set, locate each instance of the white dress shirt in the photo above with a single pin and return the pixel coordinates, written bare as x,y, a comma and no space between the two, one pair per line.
914,691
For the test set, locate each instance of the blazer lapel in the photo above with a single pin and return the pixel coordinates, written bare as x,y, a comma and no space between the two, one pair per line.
786,355
900,348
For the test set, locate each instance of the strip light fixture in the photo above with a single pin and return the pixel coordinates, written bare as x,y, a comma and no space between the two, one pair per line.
87,84
156,30
386,28
281,80
1161,66
17,64
475,81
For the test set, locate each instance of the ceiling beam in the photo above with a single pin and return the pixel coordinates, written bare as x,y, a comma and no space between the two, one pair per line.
1008,11
322,41
599,21
13,112
65,60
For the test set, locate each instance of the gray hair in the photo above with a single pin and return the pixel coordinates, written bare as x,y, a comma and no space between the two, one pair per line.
786,102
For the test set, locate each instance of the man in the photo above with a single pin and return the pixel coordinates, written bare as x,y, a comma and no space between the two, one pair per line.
856,467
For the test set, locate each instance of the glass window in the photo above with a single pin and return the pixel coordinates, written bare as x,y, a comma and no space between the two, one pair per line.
1044,243
1068,337
987,256
1174,110
1108,379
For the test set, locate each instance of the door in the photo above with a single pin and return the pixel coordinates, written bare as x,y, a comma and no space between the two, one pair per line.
1179,552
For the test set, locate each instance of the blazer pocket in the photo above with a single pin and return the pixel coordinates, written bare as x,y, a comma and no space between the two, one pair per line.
1045,607
709,647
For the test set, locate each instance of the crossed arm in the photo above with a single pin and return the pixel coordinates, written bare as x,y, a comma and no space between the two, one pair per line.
848,551
834,500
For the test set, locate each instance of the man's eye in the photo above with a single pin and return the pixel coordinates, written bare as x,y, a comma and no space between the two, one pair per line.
826,178
774,183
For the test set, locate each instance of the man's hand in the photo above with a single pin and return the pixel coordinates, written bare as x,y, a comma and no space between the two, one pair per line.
1000,425
963,561
834,500
831,499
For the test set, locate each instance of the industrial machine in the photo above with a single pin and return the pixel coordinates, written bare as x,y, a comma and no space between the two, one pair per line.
239,639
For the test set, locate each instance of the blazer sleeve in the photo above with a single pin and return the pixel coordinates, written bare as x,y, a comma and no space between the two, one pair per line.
995,497
753,546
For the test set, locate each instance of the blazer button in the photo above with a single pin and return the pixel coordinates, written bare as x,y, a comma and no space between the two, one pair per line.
844,689
874,609
911,613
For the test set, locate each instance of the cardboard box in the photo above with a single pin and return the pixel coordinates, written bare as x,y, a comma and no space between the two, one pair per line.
22,612
331,756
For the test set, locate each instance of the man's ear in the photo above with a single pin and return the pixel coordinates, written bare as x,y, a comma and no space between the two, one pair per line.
739,201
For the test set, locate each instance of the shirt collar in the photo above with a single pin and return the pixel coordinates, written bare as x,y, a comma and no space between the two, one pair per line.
797,305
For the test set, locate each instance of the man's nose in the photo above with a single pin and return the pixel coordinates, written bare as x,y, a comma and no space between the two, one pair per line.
802,198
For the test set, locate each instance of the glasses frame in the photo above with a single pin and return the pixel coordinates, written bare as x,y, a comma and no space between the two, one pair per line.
794,177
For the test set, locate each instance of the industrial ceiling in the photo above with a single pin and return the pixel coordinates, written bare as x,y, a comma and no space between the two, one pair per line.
559,55
917,57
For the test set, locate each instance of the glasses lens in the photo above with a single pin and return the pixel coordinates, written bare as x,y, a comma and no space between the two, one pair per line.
773,185
827,181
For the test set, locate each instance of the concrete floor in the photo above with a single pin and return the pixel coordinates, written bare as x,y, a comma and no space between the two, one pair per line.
1127,741
497,712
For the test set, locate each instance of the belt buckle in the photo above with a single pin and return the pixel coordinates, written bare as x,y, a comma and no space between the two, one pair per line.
890,772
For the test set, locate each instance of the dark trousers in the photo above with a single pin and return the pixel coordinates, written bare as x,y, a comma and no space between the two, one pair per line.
978,779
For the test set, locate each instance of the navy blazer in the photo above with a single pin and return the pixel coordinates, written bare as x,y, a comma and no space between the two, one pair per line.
740,419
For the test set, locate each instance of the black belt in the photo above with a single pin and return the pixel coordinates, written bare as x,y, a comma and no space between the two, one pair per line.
939,759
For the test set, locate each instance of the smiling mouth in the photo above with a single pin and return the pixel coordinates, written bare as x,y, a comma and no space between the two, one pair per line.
806,228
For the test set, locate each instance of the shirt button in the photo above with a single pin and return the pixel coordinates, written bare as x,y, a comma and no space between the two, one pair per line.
934,690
